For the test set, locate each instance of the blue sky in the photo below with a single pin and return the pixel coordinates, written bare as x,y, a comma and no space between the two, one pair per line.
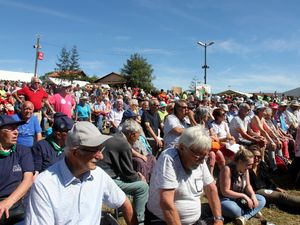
257,44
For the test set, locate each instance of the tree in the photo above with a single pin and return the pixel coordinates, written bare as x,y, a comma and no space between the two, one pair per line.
138,72
68,65
63,63
74,58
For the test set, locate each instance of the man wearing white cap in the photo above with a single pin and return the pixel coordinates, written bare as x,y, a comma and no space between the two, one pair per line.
72,190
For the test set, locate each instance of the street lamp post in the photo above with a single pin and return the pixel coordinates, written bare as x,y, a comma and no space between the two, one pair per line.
205,66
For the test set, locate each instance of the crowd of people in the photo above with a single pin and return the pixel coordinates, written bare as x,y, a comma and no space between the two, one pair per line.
65,151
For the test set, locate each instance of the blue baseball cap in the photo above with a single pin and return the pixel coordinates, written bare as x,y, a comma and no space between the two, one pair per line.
62,122
6,120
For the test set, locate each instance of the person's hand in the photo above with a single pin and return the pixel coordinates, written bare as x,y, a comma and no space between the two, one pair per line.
142,178
273,144
281,190
249,201
144,158
159,143
4,208
255,201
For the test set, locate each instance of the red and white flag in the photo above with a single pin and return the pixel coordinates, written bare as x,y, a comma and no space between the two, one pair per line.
40,55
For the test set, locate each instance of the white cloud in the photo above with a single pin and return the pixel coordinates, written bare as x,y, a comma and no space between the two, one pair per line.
44,10
232,46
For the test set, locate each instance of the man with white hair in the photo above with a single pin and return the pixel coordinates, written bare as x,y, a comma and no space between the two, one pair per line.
179,179
117,162
72,190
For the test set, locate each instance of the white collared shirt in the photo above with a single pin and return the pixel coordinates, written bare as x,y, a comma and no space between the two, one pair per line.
57,197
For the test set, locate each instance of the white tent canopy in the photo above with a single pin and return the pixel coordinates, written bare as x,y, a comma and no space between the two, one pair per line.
238,93
59,81
15,76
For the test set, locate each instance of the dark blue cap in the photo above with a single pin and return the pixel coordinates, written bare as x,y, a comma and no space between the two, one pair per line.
62,122
128,114
6,120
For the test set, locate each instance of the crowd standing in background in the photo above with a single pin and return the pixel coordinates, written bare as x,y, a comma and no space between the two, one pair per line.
55,136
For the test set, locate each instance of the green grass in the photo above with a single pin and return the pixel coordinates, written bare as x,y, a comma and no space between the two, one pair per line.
273,215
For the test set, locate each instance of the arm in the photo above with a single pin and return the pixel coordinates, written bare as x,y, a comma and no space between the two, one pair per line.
15,94
17,194
214,201
151,132
138,155
250,192
47,103
128,213
168,207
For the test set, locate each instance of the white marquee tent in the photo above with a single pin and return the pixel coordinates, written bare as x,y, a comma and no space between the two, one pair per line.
15,76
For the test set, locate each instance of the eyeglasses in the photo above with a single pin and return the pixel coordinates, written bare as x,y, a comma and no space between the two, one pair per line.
183,107
257,156
197,156
90,151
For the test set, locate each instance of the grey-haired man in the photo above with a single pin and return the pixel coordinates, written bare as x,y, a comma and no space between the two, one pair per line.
72,190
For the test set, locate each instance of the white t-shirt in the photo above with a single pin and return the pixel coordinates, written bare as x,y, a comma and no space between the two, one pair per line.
171,139
221,129
236,123
169,173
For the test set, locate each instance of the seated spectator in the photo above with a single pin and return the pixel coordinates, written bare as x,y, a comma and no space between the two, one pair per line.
83,110
162,112
239,128
175,124
16,172
99,112
51,149
118,164
261,130
31,131
263,184
179,178
73,190
238,200
152,125
215,154
116,115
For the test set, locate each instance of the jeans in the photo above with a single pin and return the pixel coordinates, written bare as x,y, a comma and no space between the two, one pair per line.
139,192
232,210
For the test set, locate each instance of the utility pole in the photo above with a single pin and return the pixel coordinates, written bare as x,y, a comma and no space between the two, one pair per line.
37,47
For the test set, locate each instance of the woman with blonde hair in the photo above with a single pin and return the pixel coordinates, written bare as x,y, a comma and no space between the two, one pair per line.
238,200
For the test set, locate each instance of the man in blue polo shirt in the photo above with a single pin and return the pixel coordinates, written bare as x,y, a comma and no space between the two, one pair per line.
31,131
50,150
16,171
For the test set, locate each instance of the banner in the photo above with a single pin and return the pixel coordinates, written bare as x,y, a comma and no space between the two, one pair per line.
40,56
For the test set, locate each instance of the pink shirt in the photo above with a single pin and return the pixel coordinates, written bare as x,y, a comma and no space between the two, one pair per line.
61,104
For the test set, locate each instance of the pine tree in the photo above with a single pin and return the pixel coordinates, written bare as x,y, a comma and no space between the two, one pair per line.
63,63
138,73
74,58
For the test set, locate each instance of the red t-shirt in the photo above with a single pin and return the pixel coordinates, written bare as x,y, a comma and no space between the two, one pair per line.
35,96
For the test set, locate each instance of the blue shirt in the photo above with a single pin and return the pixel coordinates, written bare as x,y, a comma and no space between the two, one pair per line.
44,155
28,130
12,168
83,111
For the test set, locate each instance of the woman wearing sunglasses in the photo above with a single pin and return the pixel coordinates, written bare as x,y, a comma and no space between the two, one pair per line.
263,184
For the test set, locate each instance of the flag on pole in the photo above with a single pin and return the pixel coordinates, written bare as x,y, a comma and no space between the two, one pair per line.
40,55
